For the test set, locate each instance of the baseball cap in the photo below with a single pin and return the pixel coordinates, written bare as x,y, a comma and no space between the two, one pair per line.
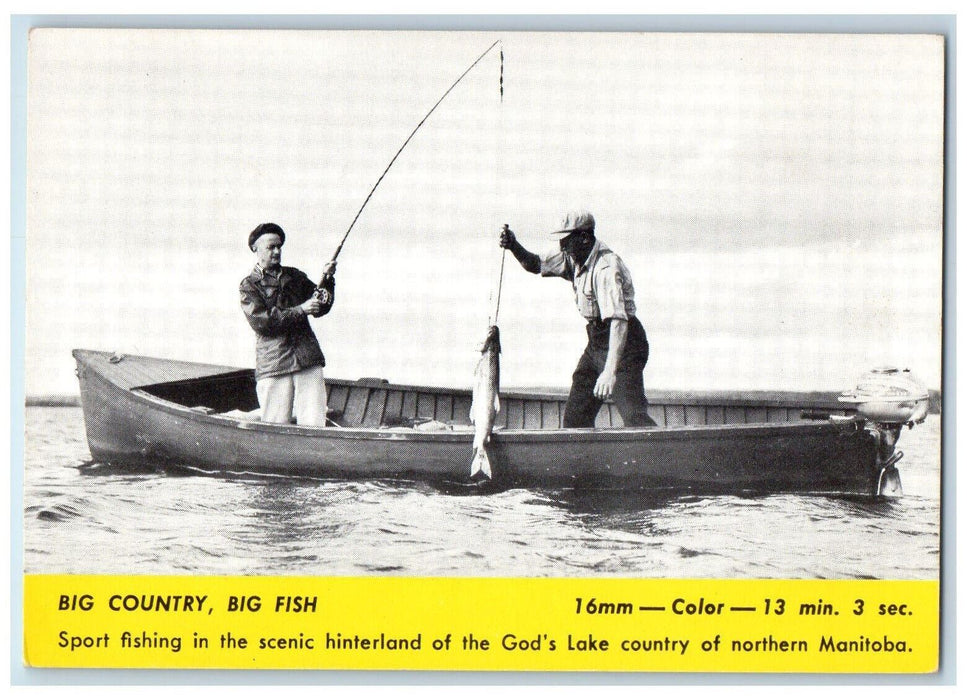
579,220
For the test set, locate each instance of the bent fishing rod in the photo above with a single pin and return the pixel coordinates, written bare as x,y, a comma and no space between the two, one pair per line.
393,160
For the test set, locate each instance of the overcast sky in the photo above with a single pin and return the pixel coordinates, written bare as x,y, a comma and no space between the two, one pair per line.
777,198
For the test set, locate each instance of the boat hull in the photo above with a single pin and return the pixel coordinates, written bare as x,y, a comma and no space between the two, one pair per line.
127,425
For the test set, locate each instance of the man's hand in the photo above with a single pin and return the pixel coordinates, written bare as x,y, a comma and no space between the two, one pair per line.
604,387
329,269
527,260
507,237
311,306
617,337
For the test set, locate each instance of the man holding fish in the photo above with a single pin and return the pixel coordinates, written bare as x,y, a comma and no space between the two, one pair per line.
617,350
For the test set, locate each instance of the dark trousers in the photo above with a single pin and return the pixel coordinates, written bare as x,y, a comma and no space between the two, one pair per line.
629,390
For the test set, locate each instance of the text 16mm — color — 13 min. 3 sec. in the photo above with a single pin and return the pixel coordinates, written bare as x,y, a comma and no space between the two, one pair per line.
770,606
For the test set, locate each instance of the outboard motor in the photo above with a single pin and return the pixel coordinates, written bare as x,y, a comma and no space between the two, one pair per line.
888,398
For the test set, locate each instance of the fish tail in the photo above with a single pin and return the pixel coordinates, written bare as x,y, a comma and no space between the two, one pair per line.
480,464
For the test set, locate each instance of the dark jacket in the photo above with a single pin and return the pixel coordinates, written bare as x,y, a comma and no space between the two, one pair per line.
284,340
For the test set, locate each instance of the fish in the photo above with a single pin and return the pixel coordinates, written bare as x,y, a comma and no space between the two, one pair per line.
486,404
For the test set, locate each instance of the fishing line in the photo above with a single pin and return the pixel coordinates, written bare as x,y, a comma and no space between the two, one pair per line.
412,134
500,178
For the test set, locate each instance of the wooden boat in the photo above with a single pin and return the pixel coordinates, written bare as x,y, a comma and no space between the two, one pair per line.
141,410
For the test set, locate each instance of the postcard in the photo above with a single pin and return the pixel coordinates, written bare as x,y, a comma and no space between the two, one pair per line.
479,350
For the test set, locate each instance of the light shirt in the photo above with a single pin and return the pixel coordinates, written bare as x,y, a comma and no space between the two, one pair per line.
265,271
602,285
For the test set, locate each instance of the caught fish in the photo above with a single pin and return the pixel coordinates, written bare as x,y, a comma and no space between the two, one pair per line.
486,404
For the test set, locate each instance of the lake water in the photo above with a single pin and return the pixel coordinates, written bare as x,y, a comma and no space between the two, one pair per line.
81,517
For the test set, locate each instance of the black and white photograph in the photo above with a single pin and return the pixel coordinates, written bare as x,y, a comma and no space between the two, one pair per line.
484,304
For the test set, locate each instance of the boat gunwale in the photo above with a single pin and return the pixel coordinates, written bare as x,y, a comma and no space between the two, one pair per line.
677,432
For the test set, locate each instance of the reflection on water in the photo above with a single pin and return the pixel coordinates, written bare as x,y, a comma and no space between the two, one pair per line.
86,517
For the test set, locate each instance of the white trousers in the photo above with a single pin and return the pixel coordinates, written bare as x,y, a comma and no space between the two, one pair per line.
301,394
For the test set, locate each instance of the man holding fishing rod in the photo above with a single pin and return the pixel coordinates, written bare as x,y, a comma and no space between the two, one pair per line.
617,350
277,302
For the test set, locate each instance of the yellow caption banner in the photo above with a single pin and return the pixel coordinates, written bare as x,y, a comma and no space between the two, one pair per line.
481,624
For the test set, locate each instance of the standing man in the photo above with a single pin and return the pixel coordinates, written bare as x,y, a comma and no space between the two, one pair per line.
617,349
277,302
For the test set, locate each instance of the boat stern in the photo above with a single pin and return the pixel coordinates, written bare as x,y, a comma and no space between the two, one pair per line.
888,399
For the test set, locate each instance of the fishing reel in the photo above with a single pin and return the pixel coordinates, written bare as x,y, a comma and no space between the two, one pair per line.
324,290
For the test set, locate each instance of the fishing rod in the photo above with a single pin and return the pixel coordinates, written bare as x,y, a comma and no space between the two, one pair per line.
393,160
503,252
